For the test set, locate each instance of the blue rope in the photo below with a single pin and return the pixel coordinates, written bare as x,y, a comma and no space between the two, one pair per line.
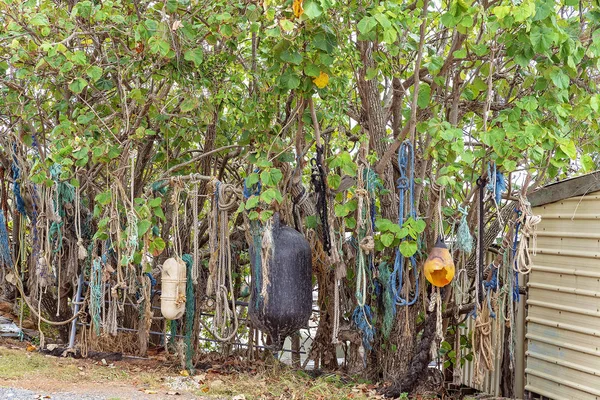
406,158
253,190
362,318
490,285
516,294
496,183
5,254
16,171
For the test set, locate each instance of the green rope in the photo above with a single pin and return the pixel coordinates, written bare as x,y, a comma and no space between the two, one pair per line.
389,304
189,313
173,328
96,295
65,193
464,239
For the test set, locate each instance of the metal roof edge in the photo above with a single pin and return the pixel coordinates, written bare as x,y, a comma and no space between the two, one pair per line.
556,191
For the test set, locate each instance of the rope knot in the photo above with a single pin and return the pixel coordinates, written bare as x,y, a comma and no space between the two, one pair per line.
402,183
367,244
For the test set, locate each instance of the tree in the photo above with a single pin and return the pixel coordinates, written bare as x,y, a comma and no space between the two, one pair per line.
111,100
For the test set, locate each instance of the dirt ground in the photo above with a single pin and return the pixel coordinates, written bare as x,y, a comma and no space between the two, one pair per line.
27,374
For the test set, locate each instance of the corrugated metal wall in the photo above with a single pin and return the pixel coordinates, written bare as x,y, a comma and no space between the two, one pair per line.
563,318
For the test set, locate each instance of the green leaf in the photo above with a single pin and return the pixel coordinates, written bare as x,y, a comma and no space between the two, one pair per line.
290,81
143,227
312,9
559,78
542,37
424,95
94,72
462,53
408,248
194,55
569,149
189,104
387,239
501,11
509,165
334,181
265,215
312,70
252,202
78,85
155,202
103,198
292,57
340,210
420,225
588,163
159,213
157,246
367,24
383,21
287,25
270,195
159,46
39,20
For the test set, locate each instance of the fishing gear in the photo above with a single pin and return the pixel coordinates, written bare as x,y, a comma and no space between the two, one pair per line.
406,185
318,182
439,267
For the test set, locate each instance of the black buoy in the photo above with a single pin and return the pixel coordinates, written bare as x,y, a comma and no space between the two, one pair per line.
286,304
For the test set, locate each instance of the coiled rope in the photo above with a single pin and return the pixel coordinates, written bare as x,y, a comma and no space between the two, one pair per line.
221,282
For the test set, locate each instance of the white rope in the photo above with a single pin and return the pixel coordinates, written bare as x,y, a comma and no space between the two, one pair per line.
529,223
196,266
436,303
221,275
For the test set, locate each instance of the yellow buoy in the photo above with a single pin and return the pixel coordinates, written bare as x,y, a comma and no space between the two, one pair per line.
439,267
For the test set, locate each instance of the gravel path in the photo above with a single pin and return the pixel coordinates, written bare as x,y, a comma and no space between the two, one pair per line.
24,394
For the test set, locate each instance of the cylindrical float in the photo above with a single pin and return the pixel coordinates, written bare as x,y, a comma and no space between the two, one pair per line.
173,280
281,290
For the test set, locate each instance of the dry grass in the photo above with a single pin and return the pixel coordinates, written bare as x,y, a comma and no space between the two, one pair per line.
284,383
269,382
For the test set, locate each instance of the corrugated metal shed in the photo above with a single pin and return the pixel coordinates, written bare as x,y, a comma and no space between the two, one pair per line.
563,316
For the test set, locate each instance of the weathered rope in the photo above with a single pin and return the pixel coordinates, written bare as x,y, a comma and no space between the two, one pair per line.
221,282
5,253
406,160
528,223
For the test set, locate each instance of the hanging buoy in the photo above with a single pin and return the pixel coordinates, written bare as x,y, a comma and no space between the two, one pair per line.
439,267
281,292
172,298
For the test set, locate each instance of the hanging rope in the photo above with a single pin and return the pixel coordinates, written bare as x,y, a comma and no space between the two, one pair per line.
190,306
221,281
5,253
528,223
320,186
464,239
16,172
96,298
435,304
405,184
481,182
196,233
483,359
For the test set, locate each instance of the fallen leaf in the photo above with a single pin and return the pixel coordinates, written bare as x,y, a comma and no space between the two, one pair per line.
184,373
31,348
147,391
